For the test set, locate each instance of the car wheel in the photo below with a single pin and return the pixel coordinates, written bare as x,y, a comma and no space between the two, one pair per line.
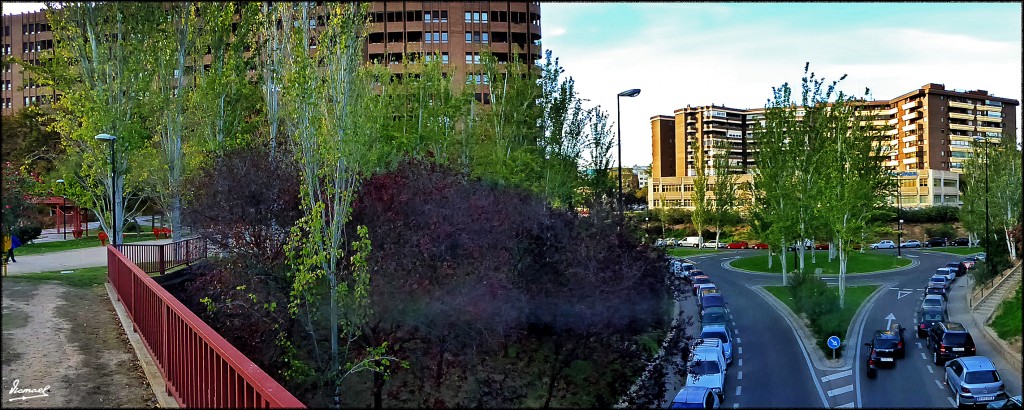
935,358
871,373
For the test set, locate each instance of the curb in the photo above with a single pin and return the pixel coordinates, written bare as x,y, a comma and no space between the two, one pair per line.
153,376
727,264
1004,351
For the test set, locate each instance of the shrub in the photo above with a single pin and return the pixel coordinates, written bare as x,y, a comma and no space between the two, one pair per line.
28,233
942,231
131,226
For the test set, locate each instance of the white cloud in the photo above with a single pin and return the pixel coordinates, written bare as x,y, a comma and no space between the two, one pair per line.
553,32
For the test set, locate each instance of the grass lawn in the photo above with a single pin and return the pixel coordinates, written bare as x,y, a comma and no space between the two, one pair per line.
46,247
855,296
859,263
79,278
957,250
684,252
1007,321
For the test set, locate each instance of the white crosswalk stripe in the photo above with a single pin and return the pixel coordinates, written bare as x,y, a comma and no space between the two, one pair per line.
834,376
841,390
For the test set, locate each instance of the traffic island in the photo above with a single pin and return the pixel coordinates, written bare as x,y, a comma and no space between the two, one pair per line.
857,264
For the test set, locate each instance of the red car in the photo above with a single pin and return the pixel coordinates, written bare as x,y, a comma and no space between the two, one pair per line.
760,246
738,245
821,247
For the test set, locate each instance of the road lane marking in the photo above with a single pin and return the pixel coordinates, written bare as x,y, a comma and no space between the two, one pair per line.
841,390
923,356
919,345
740,349
834,376
739,376
929,369
735,405
734,324
737,340
951,402
741,362
735,331
938,383
738,390
901,293
846,406
894,288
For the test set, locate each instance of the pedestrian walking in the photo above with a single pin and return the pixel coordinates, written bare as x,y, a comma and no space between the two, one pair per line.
14,244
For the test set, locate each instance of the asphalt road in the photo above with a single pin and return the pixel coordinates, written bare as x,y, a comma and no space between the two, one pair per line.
770,368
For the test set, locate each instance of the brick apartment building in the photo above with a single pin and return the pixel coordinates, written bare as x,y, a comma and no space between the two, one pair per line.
459,31
930,130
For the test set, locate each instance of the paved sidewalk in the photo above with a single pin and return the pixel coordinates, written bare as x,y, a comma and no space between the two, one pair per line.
66,260
989,345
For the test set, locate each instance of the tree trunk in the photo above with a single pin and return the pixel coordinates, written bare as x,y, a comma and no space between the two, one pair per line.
782,260
378,389
842,275
769,259
556,369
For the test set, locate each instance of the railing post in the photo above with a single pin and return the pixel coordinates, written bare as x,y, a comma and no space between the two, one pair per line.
163,264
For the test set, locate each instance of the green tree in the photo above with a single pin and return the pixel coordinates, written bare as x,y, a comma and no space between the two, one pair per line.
723,207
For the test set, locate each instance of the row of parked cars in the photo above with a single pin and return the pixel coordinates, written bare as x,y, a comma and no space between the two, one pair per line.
914,243
695,242
973,379
712,352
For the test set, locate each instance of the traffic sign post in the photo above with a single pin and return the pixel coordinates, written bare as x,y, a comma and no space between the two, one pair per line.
833,342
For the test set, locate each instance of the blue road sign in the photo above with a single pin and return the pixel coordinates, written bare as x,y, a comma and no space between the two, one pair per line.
833,342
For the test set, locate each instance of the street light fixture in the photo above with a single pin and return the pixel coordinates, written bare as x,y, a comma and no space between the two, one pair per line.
618,111
113,189
63,207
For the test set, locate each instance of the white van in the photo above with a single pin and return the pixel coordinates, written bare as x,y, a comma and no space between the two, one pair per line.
691,241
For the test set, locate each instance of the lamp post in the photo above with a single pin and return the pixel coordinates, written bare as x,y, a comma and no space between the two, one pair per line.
618,111
113,189
63,207
899,213
988,235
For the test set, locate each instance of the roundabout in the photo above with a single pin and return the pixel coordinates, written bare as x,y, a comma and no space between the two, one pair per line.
859,263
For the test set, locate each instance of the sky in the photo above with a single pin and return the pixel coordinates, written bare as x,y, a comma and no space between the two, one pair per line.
733,54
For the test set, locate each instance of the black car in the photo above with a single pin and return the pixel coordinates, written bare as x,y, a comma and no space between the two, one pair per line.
960,242
928,317
949,340
885,348
961,268
935,242
936,289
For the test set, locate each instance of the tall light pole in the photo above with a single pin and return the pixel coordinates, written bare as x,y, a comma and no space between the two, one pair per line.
113,188
988,235
618,111
63,207
899,214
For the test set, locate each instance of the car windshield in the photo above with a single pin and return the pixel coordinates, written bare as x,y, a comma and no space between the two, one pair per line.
705,367
713,300
981,376
933,302
713,317
701,280
885,343
713,335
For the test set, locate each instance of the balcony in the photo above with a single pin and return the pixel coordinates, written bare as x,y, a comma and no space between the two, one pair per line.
691,120
961,116
911,105
893,121
957,104
891,163
961,127
891,132
910,127
989,119
989,129
911,150
912,116
909,138
891,111
984,107
910,160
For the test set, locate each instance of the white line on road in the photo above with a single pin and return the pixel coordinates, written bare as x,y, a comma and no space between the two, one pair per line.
735,405
921,289
735,331
730,317
733,324
841,390
834,376
846,406
738,340
894,288
923,356
951,402
740,349
741,362
919,345
929,369
739,376
738,390
938,383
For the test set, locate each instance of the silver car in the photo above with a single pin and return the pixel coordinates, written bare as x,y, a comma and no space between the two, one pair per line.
940,279
949,273
974,380
933,301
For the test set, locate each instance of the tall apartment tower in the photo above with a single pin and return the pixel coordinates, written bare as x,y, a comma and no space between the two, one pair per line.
456,31
930,133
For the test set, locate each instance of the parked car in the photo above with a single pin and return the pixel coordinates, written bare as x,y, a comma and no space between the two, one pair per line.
940,279
710,300
807,245
933,301
974,380
691,241
960,242
713,244
715,316
883,244
927,317
707,366
950,273
960,267
913,243
936,289
821,246
696,397
690,274
981,256
723,335
660,243
697,280
949,340
1009,403
970,261
702,287
935,242
759,245
883,350
738,245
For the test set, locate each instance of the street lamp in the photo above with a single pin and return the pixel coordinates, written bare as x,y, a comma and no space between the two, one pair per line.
618,111
899,213
113,189
63,207
899,238
988,235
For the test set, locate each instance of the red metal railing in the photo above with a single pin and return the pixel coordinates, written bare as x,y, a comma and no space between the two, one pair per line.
201,369
161,258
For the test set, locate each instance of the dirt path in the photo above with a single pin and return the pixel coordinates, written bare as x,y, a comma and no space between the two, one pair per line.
70,340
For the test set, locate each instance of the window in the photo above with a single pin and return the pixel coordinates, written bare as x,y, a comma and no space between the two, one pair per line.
444,16
483,36
483,16
444,37
444,58
469,16
469,37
